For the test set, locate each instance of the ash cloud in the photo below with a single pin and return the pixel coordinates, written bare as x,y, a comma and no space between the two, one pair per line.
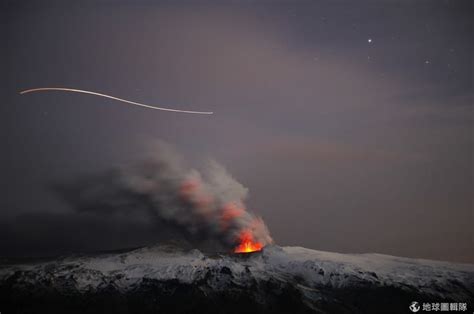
204,205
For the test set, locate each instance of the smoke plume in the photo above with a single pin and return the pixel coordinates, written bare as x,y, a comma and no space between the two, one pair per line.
206,204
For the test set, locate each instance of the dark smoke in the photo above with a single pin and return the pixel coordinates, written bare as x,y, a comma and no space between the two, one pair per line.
203,205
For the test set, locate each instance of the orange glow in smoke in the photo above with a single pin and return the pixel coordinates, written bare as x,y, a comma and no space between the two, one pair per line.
247,243
189,187
229,212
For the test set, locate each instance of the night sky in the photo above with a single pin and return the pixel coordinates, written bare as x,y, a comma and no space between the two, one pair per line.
349,122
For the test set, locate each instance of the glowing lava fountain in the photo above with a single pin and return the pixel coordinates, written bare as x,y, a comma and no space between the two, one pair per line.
247,243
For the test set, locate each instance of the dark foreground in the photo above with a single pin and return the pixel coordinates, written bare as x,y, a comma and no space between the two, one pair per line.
277,280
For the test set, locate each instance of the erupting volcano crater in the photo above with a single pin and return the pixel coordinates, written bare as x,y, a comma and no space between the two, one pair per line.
167,279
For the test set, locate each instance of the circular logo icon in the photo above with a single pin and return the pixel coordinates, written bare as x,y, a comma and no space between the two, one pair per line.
414,307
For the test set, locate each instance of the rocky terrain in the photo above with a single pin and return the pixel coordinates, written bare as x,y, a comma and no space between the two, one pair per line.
167,279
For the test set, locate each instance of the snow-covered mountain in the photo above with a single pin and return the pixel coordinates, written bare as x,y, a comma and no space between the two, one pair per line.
166,279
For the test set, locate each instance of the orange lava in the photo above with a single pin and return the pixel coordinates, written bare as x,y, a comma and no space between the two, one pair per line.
247,244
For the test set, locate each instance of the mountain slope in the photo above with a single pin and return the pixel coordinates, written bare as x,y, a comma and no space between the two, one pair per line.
165,279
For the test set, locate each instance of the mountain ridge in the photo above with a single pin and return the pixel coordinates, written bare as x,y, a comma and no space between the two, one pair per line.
277,279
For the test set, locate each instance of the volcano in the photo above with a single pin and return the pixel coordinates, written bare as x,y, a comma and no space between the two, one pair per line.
168,279
247,244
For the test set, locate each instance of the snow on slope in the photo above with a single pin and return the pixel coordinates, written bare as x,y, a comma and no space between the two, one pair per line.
307,270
